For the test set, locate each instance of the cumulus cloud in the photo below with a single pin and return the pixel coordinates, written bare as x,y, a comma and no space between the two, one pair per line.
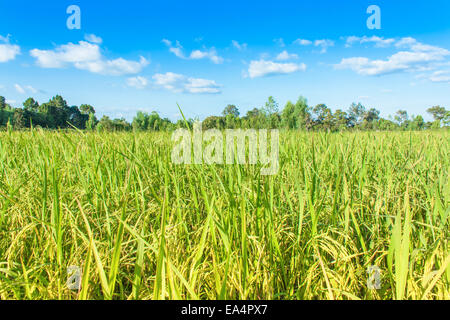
279,42
262,68
177,50
324,44
303,42
238,45
419,57
86,56
8,51
440,76
286,56
138,82
181,83
211,54
93,38
379,42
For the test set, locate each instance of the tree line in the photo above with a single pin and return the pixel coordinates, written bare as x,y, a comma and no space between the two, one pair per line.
57,114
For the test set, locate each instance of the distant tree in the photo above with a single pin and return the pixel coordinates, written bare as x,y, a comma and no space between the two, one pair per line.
254,119
401,117
384,124
19,120
231,110
141,121
31,105
92,122
213,122
437,112
417,123
58,102
323,117
105,124
270,107
341,120
371,115
356,114
287,116
295,116
87,109
76,118
2,103
446,119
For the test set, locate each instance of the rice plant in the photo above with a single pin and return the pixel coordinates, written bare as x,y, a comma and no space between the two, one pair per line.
141,227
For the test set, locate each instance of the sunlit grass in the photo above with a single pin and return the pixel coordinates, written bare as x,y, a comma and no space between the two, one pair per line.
141,227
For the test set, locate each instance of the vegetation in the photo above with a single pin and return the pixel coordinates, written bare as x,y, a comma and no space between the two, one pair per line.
141,227
56,114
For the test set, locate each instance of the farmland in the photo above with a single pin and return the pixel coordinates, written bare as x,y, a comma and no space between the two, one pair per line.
142,227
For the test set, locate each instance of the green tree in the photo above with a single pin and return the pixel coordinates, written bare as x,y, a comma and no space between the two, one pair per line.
341,120
356,114
231,110
323,117
271,106
87,109
31,105
437,112
417,123
401,117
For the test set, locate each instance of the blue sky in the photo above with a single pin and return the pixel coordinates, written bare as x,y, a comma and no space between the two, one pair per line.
149,55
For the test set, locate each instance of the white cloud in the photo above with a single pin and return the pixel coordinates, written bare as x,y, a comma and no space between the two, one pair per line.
279,42
420,57
115,67
303,42
324,44
86,56
24,89
264,68
8,51
177,50
286,56
93,38
440,76
211,55
137,82
180,83
405,42
19,89
379,42
5,39
239,46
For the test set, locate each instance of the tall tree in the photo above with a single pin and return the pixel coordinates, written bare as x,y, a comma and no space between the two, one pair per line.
356,113
87,109
31,105
437,112
2,103
231,109
401,116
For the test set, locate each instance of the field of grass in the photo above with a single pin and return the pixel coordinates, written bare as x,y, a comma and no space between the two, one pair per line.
142,227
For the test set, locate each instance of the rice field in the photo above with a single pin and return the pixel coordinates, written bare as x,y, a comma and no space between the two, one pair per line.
141,227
